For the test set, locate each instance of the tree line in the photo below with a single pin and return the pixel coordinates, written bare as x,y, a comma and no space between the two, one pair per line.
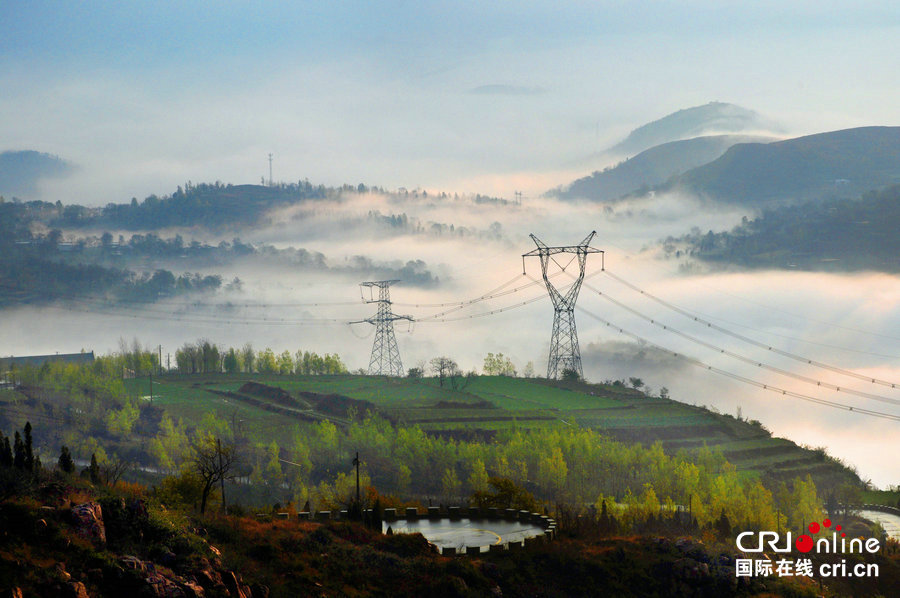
205,357
842,235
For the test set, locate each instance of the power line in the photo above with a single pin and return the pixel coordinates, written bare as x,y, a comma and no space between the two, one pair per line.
147,310
748,360
768,387
628,253
210,320
488,295
485,314
751,341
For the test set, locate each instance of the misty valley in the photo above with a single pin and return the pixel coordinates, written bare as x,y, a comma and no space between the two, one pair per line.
251,381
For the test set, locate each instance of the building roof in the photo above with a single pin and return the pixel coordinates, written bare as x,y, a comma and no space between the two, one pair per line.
39,360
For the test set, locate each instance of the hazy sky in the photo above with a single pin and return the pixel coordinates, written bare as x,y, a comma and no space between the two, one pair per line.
454,96
443,95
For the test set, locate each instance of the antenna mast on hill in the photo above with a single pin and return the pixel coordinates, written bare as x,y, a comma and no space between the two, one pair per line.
564,352
385,359
270,170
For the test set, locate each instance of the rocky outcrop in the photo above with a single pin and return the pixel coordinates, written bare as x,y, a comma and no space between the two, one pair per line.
157,581
88,519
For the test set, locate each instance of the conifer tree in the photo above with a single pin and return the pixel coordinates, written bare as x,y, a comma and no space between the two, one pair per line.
65,462
29,451
18,452
6,456
94,469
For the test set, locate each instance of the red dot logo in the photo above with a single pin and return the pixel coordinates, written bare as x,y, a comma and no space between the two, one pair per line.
804,543
838,528
814,528
827,523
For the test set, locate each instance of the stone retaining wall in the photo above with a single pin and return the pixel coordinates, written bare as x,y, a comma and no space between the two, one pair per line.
547,524
883,509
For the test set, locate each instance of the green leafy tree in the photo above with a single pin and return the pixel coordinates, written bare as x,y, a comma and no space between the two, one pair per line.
552,472
266,362
478,478
570,375
231,362
505,494
248,358
498,365
170,446
528,371
450,483
184,489
121,422
285,363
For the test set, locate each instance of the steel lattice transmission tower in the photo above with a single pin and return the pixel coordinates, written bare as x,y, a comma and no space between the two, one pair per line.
564,351
385,359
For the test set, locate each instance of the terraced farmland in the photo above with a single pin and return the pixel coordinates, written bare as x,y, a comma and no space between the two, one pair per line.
483,405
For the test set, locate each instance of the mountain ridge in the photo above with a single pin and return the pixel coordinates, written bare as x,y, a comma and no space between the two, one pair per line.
652,167
834,164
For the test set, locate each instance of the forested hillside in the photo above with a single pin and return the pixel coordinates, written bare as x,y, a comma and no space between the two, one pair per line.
838,235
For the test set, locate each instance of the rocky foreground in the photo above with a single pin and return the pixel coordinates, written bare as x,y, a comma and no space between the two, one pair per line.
64,541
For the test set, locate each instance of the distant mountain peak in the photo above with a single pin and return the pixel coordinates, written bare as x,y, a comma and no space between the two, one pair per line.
21,170
708,119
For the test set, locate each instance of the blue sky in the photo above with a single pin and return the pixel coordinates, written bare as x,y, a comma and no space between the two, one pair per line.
449,96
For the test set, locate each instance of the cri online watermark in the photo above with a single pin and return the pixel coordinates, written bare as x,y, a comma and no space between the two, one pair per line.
769,541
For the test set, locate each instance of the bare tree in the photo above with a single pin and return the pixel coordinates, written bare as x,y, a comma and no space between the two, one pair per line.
114,469
213,461
443,368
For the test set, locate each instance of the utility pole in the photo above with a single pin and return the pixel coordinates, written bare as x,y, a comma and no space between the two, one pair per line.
385,358
270,170
356,462
222,476
564,352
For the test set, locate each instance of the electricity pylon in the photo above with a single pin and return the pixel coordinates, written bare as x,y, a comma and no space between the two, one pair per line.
385,359
564,351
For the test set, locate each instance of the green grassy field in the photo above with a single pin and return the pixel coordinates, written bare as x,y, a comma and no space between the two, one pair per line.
491,403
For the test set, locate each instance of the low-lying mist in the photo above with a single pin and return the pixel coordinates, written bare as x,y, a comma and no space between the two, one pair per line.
844,320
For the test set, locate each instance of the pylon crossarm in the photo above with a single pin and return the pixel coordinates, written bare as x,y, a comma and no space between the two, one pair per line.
541,251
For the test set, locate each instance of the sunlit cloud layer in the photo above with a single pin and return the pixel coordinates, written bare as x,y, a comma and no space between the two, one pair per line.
462,98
